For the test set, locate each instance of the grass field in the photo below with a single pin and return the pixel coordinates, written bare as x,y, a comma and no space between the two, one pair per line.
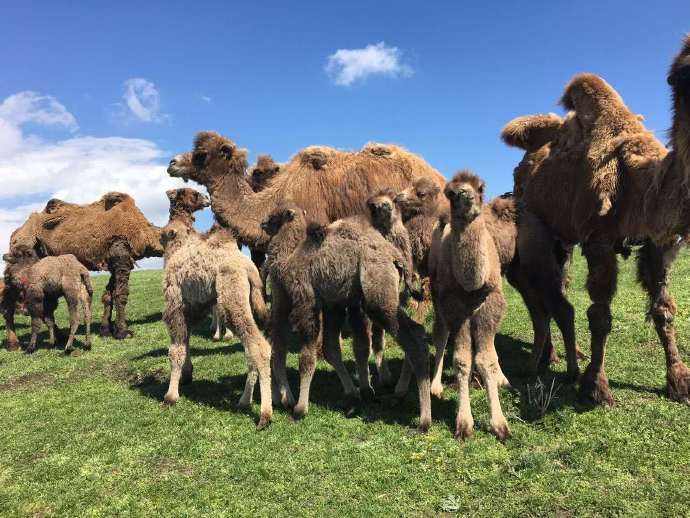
86,435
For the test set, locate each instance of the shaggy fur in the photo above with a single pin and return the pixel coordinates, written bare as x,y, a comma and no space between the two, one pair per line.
109,234
616,163
327,183
41,283
203,270
354,269
263,172
465,274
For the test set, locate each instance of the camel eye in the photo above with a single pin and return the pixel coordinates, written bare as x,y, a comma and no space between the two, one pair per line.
421,194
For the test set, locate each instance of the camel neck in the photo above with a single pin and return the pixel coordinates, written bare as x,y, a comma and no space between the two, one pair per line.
471,261
680,132
181,216
239,208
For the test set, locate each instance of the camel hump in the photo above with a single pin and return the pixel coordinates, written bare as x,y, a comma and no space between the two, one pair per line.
504,207
585,88
530,132
315,157
111,199
376,149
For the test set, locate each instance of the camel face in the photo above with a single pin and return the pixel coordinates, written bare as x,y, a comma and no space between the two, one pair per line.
420,198
187,200
277,219
382,209
465,193
181,167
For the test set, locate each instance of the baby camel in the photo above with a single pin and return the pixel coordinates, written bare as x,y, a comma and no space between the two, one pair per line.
41,283
346,267
203,270
465,273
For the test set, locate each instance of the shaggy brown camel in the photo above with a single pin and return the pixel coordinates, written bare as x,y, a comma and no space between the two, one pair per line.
203,270
609,179
41,283
109,234
466,286
349,266
327,183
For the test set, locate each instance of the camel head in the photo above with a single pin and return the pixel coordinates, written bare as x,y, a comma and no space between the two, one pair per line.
284,213
465,192
262,173
679,75
383,210
213,156
186,200
420,198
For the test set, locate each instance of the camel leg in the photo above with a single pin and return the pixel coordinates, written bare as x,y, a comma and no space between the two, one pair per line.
333,319
378,345
483,329
35,299
653,265
86,300
280,311
361,345
235,309
215,324
49,306
440,338
461,340
73,308
306,319
601,285
121,264
107,299
9,306
178,353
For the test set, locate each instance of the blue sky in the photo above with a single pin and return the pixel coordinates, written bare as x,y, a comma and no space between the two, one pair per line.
258,74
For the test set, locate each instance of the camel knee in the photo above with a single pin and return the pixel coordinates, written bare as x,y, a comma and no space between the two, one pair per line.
663,310
599,316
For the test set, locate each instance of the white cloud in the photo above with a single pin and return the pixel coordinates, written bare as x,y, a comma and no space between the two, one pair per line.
347,66
143,100
77,169
45,110
206,98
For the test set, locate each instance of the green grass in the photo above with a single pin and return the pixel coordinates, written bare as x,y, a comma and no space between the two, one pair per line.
86,435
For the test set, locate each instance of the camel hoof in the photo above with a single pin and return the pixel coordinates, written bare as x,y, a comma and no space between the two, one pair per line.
30,350
437,390
169,400
185,379
287,401
594,388
13,346
501,431
579,354
464,430
678,383
263,423
105,332
299,411
243,405
122,334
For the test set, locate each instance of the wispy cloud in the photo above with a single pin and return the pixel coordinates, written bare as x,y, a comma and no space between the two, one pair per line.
142,100
348,66
77,168
206,98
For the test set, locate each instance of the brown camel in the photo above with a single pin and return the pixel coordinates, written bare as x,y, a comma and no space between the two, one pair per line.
109,234
605,179
347,266
329,184
206,270
41,283
466,286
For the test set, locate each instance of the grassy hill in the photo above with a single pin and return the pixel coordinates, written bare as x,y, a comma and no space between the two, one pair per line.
86,434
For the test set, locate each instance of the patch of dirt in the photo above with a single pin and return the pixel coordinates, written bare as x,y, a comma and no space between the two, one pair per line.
28,381
123,373
164,466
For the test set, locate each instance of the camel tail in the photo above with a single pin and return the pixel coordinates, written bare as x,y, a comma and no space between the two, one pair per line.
86,281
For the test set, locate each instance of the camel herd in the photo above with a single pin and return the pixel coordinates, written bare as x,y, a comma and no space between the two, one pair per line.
351,238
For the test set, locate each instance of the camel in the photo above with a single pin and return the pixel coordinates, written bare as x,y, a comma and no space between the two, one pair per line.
206,270
346,266
41,283
109,234
609,179
466,286
329,184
